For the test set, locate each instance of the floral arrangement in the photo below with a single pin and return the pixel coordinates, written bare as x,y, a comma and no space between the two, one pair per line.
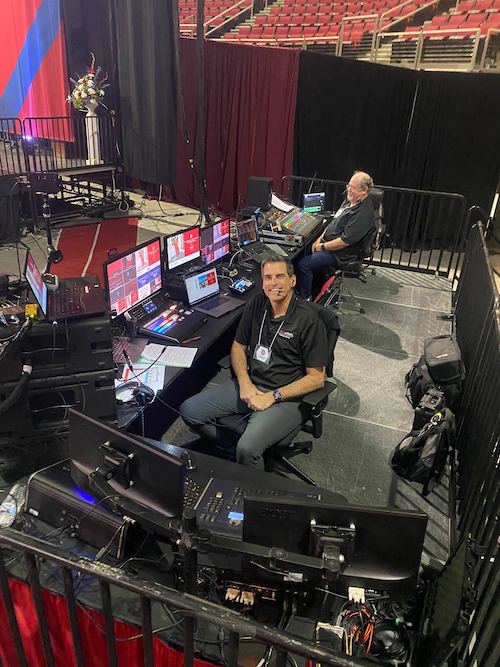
88,88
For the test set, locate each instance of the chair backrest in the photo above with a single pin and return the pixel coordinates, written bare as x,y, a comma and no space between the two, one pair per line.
331,322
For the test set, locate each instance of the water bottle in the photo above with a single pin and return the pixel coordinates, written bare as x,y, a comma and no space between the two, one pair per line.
12,503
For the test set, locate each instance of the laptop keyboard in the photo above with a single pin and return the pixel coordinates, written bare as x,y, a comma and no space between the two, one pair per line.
67,301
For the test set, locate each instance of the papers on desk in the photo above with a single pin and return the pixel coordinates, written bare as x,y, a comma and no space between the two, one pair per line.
171,355
153,377
280,204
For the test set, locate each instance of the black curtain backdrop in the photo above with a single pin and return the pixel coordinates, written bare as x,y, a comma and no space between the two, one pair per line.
425,130
250,114
146,69
351,115
87,29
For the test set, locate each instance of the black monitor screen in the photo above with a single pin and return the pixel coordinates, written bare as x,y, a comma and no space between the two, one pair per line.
182,247
157,477
387,545
133,276
215,241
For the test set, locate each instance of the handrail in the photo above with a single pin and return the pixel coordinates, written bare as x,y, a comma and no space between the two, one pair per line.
189,605
487,40
249,5
403,17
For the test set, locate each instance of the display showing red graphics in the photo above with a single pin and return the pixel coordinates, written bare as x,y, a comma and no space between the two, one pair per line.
215,241
134,277
183,247
201,286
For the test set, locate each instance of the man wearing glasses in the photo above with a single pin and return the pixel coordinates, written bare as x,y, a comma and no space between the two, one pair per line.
340,242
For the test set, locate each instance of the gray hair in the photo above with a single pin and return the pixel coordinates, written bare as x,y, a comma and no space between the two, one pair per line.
366,181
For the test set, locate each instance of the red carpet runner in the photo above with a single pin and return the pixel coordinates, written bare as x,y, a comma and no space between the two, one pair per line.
85,248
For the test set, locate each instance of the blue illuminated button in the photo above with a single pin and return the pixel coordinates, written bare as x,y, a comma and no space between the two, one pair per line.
237,516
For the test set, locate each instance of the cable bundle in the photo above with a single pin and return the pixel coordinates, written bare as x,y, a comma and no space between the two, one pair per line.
358,624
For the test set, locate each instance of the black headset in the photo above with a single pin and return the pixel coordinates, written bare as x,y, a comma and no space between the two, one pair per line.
141,393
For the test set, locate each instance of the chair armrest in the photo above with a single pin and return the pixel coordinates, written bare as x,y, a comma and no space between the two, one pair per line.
314,397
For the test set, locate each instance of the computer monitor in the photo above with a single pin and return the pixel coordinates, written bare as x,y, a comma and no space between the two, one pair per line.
182,247
139,471
313,201
201,285
387,544
34,278
215,241
247,232
133,276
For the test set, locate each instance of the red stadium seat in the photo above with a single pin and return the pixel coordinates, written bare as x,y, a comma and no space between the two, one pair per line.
281,32
309,31
295,32
268,33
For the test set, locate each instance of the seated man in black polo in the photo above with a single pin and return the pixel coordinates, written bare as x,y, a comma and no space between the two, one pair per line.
341,240
278,355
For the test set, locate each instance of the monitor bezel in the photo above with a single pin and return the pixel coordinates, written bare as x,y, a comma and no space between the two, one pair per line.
123,254
211,226
29,254
165,248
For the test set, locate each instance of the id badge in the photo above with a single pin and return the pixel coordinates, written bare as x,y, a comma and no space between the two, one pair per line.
262,354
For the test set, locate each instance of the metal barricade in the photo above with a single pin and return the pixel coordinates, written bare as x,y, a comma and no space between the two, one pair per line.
190,608
11,151
68,143
424,230
477,327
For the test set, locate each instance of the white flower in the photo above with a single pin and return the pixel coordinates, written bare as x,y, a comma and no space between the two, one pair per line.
91,91
91,76
80,80
101,93
84,95
81,87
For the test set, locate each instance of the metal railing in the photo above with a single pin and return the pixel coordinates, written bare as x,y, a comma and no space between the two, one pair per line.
424,230
74,144
11,147
150,595
477,327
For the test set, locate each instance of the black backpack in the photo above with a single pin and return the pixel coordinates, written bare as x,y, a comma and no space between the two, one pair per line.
421,455
418,381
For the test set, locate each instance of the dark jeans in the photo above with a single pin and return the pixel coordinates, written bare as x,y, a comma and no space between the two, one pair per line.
263,429
308,265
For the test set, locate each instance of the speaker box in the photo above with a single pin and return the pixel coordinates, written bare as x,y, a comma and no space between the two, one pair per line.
259,191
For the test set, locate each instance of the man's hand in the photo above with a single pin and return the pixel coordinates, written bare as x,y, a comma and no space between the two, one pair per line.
247,392
316,246
261,401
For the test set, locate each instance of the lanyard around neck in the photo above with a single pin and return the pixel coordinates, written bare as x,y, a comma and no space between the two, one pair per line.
261,329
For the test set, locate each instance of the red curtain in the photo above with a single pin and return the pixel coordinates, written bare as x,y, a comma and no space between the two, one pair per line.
129,653
250,114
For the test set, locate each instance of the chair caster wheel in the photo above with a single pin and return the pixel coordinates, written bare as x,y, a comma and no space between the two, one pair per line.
362,311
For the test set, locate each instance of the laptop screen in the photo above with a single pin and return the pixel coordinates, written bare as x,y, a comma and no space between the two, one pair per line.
215,242
314,201
201,285
133,276
37,286
247,232
182,247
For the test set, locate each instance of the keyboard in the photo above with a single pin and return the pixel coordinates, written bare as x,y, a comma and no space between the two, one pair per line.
192,491
67,301
258,248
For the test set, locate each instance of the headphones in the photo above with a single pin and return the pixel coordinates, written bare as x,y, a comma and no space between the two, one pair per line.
141,393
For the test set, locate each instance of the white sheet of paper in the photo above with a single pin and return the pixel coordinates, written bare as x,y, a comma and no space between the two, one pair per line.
180,357
154,352
276,201
153,377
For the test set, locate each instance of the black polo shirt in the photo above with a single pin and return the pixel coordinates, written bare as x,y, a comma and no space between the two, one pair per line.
352,226
301,341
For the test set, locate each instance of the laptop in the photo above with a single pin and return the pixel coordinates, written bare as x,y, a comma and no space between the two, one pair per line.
76,297
313,202
203,293
249,242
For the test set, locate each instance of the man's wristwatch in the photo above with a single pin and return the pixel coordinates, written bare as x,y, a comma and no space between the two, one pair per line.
277,395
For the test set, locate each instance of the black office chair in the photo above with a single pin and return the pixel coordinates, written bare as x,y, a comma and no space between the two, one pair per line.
277,457
332,290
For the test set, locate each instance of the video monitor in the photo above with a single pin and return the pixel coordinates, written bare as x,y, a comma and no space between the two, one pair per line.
215,241
387,545
139,471
35,281
133,276
182,247
247,232
313,202
201,286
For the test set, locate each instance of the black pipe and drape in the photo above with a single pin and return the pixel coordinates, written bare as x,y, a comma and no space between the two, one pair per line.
146,71
425,130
